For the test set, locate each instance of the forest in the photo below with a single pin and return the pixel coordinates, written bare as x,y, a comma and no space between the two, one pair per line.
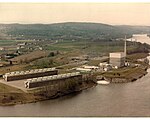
69,31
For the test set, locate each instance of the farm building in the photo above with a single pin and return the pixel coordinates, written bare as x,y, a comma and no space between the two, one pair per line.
54,80
18,75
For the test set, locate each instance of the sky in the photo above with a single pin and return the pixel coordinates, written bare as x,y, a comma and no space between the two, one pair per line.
47,13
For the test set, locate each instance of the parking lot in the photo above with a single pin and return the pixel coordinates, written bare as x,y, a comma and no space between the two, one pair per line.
17,84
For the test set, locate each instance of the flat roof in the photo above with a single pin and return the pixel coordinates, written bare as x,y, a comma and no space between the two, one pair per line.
117,52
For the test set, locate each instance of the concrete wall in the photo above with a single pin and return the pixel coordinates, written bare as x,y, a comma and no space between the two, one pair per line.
29,74
117,61
54,80
117,55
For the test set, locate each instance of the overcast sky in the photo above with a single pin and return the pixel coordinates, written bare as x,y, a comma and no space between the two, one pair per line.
109,13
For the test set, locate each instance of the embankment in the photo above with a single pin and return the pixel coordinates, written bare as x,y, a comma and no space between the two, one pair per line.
130,77
20,97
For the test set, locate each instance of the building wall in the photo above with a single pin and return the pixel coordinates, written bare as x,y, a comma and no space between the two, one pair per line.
117,55
33,75
117,61
54,83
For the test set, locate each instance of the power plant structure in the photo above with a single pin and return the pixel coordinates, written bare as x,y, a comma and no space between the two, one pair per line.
117,59
43,77
19,75
54,80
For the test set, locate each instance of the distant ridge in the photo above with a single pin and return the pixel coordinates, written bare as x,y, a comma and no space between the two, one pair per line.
71,30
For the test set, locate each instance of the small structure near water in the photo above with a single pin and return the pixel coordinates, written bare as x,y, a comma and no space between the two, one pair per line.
102,80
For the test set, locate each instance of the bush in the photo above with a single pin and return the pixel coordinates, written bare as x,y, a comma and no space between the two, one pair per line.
44,63
51,54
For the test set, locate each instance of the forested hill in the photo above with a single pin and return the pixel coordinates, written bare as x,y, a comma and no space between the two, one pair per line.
68,31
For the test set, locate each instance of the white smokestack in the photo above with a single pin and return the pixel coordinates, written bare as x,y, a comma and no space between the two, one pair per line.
125,46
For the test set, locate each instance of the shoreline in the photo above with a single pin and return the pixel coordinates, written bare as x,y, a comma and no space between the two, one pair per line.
133,74
9,99
125,80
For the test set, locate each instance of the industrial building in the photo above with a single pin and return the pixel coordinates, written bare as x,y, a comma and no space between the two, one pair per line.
117,59
90,67
105,66
54,80
83,69
19,75
86,68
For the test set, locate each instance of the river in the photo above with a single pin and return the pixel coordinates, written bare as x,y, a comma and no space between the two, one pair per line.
124,99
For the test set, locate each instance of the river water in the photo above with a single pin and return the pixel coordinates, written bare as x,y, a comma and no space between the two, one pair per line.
126,99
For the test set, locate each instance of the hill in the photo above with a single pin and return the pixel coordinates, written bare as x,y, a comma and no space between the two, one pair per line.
69,31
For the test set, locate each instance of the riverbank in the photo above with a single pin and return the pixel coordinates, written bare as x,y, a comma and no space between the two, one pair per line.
137,70
13,96
132,76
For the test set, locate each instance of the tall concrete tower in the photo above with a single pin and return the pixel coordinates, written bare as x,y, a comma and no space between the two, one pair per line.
118,58
125,46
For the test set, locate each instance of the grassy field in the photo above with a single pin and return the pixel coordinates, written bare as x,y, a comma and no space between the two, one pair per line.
11,96
58,48
82,45
68,49
137,56
8,89
13,68
12,42
122,72
91,47
7,42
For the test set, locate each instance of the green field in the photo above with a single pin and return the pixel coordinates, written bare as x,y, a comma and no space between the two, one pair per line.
91,47
82,45
7,42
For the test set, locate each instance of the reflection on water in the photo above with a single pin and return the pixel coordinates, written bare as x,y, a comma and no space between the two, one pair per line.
127,99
